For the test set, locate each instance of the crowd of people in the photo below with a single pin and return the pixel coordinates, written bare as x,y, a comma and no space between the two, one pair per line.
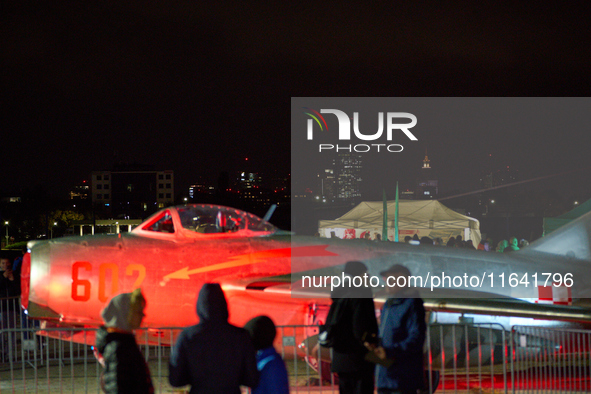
215,356
486,244
367,355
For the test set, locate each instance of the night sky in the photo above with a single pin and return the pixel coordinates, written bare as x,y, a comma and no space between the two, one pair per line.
198,88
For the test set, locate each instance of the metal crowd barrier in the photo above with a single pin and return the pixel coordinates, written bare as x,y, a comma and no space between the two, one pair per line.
10,317
550,360
52,360
460,358
57,363
466,358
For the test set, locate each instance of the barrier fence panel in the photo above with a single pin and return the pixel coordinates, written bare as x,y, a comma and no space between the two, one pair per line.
54,361
550,360
10,317
466,358
308,365
48,360
460,358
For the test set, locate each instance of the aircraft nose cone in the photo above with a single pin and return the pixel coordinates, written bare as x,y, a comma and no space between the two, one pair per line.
25,279
37,286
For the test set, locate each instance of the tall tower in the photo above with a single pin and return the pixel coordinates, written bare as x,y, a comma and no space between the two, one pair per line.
427,185
426,161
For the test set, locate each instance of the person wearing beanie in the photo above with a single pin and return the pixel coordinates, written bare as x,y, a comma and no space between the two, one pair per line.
213,356
273,374
125,370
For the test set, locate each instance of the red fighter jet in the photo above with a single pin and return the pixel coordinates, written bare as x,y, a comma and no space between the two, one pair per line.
67,281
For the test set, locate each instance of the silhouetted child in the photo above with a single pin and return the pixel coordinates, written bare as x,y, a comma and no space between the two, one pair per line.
126,370
273,378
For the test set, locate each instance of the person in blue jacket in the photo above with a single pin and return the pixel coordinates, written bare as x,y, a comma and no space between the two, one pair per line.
213,356
402,333
273,374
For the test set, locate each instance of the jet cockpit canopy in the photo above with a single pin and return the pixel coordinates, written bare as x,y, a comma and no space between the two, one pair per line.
205,220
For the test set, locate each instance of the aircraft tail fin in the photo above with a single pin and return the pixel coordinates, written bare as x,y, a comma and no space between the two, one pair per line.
572,240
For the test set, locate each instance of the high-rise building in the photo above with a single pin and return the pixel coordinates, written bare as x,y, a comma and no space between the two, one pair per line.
327,186
248,180
132,192
347,173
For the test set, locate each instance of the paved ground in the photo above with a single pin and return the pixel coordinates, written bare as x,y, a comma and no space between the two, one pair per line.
72,369
82,377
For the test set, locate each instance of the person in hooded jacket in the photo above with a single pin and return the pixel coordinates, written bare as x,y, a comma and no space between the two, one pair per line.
512,245
125,369
213,356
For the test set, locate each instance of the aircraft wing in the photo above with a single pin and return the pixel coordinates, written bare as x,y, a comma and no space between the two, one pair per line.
279,289
508,307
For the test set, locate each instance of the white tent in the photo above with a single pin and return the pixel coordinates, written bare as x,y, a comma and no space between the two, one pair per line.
423,217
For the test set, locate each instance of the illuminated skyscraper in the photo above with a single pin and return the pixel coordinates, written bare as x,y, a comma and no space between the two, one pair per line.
347,173
326,185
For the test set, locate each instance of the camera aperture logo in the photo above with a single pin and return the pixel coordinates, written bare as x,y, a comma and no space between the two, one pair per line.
344,133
